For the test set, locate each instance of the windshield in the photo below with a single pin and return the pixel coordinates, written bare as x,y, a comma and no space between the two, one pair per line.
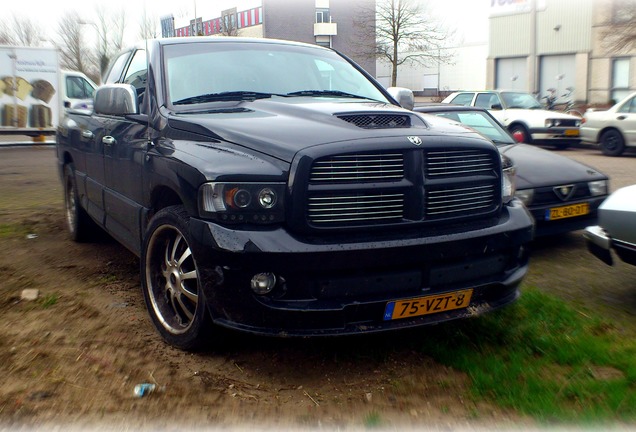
222,71
482,123
520,100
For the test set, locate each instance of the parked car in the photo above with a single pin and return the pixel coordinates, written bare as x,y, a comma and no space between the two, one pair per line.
524,116
614,129
285,192
562,194
616,229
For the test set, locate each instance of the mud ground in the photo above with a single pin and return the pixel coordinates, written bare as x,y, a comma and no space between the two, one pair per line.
71,358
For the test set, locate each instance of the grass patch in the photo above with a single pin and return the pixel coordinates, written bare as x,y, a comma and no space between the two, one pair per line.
545,359
49,301
12,230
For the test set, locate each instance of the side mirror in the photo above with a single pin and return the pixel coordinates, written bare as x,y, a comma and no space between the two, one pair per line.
403,96
116,99
496,107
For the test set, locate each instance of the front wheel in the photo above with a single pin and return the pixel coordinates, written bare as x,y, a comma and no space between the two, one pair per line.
612,143
170,280
520,134
80,226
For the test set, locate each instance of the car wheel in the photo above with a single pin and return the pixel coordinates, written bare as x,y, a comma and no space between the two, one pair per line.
80,225
170,280
612,143
520,133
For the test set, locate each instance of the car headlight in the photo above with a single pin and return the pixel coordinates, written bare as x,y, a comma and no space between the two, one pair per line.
598,187
525,195
552,123
260,203
507,179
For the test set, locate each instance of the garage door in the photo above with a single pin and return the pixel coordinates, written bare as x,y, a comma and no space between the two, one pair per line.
557,71
512,74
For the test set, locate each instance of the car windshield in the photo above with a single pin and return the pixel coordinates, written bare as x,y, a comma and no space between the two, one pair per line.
520,100
227,71
482,123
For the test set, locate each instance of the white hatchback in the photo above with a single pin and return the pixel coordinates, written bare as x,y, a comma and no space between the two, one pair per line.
524,116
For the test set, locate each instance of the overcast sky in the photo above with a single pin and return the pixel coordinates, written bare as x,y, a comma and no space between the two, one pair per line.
470,17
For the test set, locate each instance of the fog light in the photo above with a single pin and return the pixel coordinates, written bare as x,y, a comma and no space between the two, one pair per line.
263,283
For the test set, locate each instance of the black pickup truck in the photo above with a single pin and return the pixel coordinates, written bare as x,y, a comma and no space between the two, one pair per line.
276,188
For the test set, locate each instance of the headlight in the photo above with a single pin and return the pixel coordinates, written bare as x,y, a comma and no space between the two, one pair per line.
525,195
598,187
507,179
260,203
549,123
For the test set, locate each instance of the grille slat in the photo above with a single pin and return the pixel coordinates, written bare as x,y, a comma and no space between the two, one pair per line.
458,162
358,168
356,207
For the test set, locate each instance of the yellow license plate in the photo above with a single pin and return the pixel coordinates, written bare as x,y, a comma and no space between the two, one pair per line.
572,132
567,211
427,305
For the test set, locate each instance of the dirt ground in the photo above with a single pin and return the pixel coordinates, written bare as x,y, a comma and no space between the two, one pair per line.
72,357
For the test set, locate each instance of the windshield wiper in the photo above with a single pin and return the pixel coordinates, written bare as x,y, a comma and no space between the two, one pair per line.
327,93
225,96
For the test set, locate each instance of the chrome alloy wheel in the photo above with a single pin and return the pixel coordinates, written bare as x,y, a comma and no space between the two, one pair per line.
172,279
70,203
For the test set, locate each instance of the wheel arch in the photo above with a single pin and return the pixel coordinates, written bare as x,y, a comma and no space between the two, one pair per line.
608,129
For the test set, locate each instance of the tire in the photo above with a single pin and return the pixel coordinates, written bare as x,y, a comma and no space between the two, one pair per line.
612,143
521,129
80,226
170,281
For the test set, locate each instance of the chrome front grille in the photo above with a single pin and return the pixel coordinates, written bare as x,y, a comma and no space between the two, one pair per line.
458,201
413,185
458,163
358,168
360,207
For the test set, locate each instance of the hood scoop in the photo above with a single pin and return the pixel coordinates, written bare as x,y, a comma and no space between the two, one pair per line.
377,121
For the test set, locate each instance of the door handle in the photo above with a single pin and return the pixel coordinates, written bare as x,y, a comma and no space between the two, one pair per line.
87,134
621,117
109,140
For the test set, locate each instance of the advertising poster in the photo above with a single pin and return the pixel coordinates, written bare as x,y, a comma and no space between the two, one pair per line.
29,88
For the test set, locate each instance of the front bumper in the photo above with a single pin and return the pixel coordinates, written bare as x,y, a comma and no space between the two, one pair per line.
600,244
342,285
562,135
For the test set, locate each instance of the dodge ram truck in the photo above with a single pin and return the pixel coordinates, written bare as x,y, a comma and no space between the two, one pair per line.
276,188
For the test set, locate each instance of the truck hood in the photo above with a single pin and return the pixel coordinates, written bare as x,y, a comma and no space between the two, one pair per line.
536,167
282,127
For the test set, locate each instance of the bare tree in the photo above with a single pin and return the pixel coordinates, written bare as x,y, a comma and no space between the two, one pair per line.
27,32
21,31
74,54
620,32
404,32
6,34
110,34
147,25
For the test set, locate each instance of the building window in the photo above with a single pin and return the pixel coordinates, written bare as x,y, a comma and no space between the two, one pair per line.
620,79
322,16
